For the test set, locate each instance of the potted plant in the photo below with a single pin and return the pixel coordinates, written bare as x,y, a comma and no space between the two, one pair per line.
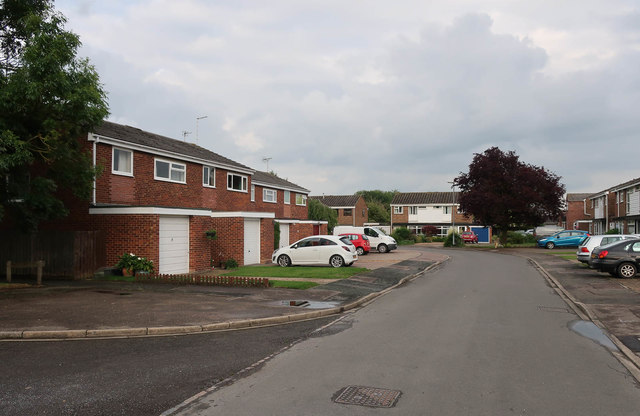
129,263
211,234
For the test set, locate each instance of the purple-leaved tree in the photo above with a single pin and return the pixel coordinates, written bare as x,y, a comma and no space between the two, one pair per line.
501,191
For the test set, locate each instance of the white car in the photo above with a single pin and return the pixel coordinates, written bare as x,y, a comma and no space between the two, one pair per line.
593,241
318,249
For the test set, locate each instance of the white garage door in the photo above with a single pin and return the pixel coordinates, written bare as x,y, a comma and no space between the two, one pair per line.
251,241
174,245
284,235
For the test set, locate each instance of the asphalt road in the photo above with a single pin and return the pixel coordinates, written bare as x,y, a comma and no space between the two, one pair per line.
482,335
141,376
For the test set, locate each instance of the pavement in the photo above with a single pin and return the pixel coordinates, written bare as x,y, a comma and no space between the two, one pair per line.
98,309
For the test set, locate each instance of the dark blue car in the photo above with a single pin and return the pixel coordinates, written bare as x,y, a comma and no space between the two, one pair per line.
563,239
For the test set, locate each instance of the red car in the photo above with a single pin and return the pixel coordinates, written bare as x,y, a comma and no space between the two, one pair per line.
361,242
469,237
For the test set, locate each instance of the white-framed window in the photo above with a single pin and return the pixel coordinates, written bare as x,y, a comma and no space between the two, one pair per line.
287,197
237,182
170,171
301,199
270,195
347,212
397,210
122,162
447,210
209,176
253,193
413,210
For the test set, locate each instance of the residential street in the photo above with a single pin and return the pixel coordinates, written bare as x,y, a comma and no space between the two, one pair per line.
483,335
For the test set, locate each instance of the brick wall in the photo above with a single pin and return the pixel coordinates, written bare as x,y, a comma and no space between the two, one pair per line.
230,241
361,212
575,212
400,218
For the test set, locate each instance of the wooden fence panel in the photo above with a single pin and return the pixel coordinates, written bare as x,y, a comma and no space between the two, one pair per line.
66,254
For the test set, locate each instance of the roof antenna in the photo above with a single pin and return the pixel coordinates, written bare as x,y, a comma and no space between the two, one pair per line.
185,134
197,121
267,159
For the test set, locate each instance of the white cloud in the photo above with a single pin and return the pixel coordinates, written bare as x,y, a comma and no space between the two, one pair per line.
331,90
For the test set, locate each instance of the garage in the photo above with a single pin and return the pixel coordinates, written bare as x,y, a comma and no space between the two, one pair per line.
251,241
284,235
174,245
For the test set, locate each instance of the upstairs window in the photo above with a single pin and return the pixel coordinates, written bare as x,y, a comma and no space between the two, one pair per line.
397,210
237,182
301,199
413,210
347,212
170,171
270,195
253,193
122,162
447,210
287,197
209,176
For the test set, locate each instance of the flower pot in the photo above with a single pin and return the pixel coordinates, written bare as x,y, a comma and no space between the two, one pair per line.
127,272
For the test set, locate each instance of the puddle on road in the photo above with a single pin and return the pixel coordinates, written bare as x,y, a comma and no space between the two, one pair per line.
591,331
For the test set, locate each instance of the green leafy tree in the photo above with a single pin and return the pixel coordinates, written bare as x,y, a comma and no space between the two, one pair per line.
49,98
378,213
320,212
379,205
501,191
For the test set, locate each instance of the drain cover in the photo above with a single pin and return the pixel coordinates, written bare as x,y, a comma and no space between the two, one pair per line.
367,396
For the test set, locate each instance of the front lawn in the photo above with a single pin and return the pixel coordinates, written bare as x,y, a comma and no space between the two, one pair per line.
308,272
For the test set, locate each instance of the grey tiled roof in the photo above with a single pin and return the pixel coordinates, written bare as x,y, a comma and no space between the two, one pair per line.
416,198
265,178
155,141
337,200
578,197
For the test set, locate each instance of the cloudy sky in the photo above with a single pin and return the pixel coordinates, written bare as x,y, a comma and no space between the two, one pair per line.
343,96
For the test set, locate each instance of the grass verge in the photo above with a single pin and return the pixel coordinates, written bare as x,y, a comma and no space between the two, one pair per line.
297,271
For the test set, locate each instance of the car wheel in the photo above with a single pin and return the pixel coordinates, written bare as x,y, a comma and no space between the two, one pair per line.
284,261
382,248
336,261
550,245
360,251
627,270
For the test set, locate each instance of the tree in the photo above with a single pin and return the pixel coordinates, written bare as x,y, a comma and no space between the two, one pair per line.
501,191
379,204
318,211
49,99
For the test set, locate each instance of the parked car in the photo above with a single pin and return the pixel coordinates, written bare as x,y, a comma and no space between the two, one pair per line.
377,238
469,237
584,250
621,258
361,242
546,231
318,249
564,239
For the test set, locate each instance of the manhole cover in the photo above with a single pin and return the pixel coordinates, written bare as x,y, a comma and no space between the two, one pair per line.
367,396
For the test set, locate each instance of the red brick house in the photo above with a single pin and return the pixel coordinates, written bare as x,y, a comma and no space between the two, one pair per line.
351,209
157,197
615,207
415,210
576,216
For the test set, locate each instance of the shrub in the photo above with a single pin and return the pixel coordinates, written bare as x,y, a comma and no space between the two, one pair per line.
402,234
448,241
613,231
520,238
231,264
134,263
429,230
276,235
